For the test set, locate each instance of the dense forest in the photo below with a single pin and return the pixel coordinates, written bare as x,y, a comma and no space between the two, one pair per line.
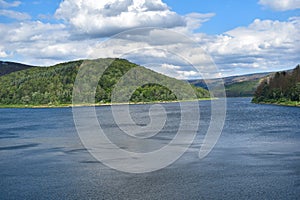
54,85
282,87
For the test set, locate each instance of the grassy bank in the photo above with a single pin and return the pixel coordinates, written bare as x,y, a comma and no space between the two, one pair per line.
98,104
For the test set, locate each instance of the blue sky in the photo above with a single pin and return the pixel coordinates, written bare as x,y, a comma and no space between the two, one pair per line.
229,13
241,36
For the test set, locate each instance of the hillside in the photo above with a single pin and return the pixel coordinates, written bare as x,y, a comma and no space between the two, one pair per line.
9,67
236,86
241,89
281,88
54,85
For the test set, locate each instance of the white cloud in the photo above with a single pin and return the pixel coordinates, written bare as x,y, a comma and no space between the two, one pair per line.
168,66
40,43
260,36
3,54
15,15
281,5
195,20
188,73
264,45
108,17
30,32
5,4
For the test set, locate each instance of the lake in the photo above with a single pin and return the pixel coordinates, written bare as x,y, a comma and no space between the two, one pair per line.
256,157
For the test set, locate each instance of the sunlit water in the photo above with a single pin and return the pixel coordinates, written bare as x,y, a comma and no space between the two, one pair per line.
257,156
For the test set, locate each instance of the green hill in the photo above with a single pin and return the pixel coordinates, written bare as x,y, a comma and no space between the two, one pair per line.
54,85
9,67
241,89
235,86
281,88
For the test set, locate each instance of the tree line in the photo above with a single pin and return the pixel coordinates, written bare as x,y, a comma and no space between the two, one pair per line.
281,87
54,85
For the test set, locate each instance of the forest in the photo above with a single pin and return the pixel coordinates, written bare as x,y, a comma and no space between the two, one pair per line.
282,87
54,85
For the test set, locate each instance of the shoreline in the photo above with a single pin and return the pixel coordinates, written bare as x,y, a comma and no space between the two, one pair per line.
100,104
287,104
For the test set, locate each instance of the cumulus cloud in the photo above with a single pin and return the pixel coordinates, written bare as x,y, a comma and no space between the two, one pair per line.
281,5
195,20
5,4
170,58
40,43
258,37
264,45
108,17
183,71
15,15
168,66
3,54
30,32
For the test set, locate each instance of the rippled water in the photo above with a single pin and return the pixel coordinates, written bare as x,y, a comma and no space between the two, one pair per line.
257,156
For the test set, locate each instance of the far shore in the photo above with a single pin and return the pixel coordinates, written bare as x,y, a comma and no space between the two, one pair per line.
99,104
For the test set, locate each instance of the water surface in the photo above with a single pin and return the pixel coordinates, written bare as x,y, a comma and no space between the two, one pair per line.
257,156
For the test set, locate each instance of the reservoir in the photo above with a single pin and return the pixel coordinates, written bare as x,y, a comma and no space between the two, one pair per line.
256,157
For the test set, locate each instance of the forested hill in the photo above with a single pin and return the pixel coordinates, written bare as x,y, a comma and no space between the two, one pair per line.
54,85
9,67
236,86
281,88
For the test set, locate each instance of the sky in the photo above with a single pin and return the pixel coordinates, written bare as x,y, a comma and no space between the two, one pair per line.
240,37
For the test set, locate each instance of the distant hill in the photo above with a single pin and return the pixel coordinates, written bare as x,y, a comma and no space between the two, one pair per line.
9,67
236,86
54,85
280,88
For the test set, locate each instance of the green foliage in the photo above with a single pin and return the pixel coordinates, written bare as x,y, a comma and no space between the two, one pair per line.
54,85
241,89
39,85
9,67
282,87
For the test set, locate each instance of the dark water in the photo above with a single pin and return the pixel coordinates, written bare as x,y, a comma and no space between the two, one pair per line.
257,157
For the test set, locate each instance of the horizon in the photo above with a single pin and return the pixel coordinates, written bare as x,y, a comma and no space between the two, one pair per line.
254,36
28,64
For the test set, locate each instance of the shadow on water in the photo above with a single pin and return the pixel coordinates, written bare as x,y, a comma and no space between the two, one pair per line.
26,146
